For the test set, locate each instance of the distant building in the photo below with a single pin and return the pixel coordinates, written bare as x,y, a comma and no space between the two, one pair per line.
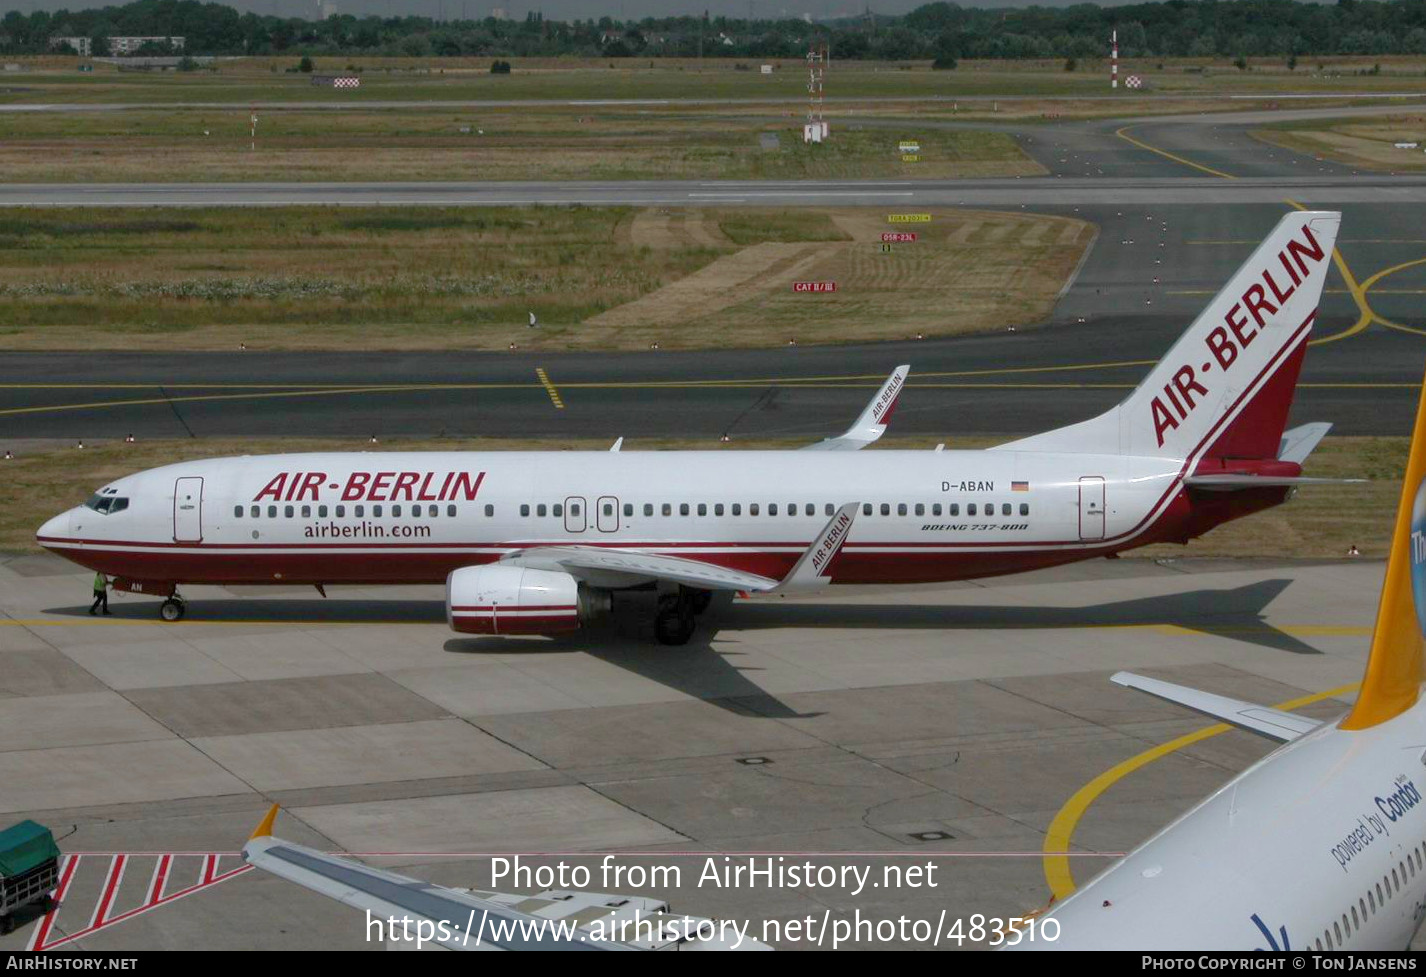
497,13
79,45
128,45
329,9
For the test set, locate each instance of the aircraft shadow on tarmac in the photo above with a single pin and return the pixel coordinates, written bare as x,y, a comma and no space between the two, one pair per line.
701,670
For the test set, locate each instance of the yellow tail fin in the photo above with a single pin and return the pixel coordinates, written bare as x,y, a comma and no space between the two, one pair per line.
1394,668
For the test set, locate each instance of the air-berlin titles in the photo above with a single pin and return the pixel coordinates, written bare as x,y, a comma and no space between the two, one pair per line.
450,486
1237,333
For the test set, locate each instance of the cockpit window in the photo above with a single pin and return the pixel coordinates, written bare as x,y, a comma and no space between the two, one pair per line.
107,504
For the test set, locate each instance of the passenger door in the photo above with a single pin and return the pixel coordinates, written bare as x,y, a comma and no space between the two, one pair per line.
188,510
1091,507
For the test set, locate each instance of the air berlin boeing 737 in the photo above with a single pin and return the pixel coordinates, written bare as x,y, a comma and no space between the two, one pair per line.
535,542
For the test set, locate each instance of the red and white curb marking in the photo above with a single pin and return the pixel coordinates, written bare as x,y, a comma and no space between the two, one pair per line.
165,878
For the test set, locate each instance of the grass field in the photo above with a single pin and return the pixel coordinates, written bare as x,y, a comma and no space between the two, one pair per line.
1367,144
544,143
1321,522
597,278
247,80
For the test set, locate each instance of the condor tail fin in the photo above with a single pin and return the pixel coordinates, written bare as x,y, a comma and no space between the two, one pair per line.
1224,389
1394,668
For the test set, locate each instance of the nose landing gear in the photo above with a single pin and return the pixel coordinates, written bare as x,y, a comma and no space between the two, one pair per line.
172,609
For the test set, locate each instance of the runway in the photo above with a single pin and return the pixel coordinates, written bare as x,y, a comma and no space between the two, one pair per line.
1180,203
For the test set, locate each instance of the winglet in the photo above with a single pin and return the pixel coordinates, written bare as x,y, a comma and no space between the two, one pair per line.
264,828
810,570
1394,668
871,425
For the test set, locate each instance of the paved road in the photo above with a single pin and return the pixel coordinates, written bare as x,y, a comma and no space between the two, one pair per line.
1171,233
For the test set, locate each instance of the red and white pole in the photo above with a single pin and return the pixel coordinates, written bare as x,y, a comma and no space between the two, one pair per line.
1114,60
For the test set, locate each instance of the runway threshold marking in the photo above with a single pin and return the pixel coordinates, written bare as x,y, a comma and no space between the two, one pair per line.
1060,835
1123,133
549,387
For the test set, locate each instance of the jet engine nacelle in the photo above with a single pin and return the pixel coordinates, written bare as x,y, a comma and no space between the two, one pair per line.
500,599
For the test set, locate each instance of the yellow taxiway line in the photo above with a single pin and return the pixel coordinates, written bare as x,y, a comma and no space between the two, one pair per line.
1061,832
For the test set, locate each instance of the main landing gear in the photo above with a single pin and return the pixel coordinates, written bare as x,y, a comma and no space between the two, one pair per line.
677,615
172,609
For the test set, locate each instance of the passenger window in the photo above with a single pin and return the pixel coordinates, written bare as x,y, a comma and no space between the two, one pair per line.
341,511
752,508
1024,508
772,508
955,508
321,512
1005,508
717,508
737,508
287,511
524,510
886,508
541,509
396,511
970,508
703,508
628,509
306,512
574,508
648,508
866,508
683,508
901,508
830,509
376,511
935,508
237,511
920,509
608,509
989,509
360,511
666,509
810,509
557,509
255,511
489,511
450,511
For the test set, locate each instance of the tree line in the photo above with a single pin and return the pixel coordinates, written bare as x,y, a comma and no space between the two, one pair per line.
943,32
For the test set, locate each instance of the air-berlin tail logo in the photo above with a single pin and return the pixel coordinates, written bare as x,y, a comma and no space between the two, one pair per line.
1270,290
446,486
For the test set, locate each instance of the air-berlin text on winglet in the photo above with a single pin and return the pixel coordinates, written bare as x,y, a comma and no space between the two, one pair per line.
1237,333
887,400
836,536
448,486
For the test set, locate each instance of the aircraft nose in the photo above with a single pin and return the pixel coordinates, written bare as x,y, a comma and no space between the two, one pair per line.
56,528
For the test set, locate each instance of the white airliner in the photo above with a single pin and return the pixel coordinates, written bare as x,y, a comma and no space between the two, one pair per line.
535,542
408,914
1319,846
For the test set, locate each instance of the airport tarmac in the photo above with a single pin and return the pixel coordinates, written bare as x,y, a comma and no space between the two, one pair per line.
949,723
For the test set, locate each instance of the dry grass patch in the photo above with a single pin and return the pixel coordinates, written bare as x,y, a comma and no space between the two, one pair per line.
1366,145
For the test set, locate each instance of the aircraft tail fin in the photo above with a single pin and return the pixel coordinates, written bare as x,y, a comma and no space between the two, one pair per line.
1224,389
1394,668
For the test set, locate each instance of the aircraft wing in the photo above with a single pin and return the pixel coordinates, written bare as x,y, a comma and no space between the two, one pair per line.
1275,724
627,568
871,425
457,919
609,567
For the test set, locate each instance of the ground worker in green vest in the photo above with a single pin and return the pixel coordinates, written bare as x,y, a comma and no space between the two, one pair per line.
101,594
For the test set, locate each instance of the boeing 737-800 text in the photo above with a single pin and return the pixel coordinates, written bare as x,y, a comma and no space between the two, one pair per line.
535,542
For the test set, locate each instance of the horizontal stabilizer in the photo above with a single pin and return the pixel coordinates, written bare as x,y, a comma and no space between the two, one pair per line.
871,425
1231,483
1275,724
1301,441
